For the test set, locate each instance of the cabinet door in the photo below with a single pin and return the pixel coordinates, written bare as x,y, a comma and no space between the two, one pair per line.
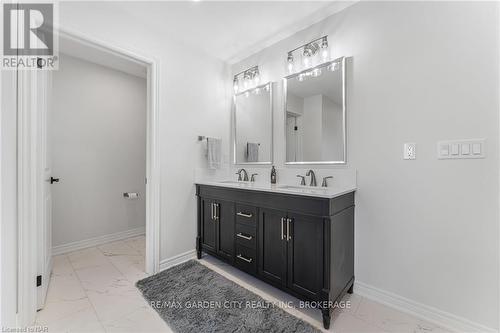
208,224
272,246
305,254
225,232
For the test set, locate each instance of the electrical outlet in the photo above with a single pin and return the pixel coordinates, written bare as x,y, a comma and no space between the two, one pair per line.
410,151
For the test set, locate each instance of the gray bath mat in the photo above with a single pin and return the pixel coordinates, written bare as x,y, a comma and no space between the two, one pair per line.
192,298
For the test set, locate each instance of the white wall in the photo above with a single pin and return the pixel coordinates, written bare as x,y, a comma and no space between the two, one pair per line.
98,141
420,72
194,100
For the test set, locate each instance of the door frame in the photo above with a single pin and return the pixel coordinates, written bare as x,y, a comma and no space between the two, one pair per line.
28,176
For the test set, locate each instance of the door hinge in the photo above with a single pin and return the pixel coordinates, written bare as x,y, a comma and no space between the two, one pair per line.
38,280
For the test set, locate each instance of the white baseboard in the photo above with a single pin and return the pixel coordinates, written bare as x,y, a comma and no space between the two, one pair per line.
425,312
83,244
178,259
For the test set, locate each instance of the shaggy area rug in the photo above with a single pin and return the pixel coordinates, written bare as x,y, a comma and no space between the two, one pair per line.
193,298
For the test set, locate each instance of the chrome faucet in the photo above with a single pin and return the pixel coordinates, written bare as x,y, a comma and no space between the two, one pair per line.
245,175
313,178
252,178
302,180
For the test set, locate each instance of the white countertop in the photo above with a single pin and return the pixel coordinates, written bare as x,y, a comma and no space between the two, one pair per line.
320,192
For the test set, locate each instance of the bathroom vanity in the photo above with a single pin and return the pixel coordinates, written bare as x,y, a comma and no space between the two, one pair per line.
299,239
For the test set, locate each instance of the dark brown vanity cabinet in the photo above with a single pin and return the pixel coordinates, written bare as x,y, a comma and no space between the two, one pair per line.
303,245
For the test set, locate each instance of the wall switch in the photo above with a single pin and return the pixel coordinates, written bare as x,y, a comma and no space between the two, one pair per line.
409,151
465,149
444,149
461,149
476,148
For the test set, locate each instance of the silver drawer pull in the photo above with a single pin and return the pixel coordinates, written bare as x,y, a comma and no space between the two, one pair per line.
243,236
248,260
244,215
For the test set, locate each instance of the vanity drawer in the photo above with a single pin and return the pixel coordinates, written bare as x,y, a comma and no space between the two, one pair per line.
246,214
246,259
246,235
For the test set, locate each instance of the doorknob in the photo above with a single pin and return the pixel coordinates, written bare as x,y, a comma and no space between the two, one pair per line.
54,180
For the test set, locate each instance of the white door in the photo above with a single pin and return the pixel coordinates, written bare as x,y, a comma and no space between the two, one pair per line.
291,138
44,214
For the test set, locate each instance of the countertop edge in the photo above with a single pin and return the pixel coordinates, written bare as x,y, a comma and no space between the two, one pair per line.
339,193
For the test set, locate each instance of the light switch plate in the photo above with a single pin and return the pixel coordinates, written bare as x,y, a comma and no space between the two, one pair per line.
410,151
461,149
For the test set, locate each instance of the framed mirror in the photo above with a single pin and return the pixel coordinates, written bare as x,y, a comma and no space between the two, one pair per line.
315,115
253,126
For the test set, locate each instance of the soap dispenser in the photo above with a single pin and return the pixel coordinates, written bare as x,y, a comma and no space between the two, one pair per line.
273,175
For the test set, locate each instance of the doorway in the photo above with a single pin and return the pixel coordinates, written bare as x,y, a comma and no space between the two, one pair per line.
33,195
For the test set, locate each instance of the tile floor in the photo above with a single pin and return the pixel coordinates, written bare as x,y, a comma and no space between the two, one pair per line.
93,290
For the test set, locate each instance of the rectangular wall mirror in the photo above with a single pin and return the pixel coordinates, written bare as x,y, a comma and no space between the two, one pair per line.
253,126
315,115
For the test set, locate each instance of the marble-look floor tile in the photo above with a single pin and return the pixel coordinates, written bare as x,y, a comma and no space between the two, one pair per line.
93,290
117,248
347,323
82,321
141,320
138,243
392,320
61,265
54,311
64,288
116,301
100,278
131,266
86,258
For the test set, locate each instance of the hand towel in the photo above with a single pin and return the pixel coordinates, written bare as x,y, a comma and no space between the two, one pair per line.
252,152
214,153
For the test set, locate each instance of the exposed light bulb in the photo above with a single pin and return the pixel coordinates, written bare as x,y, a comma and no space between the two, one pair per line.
307,61
247,94
316,72
324,49
235,84
332,67
257,91
256,79
267,87
301,77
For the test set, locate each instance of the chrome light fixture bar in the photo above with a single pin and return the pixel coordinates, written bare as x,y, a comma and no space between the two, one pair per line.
309,54
249,78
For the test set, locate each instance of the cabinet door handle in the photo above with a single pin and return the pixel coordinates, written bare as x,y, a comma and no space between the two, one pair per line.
248,260
282,223
217,211
288,236
244,214
244,236
212,206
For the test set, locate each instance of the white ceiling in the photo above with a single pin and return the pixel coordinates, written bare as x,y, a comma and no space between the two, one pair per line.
227,30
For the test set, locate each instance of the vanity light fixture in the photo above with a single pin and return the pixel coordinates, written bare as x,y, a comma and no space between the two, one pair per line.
310,52
249,78
256,90
289,61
